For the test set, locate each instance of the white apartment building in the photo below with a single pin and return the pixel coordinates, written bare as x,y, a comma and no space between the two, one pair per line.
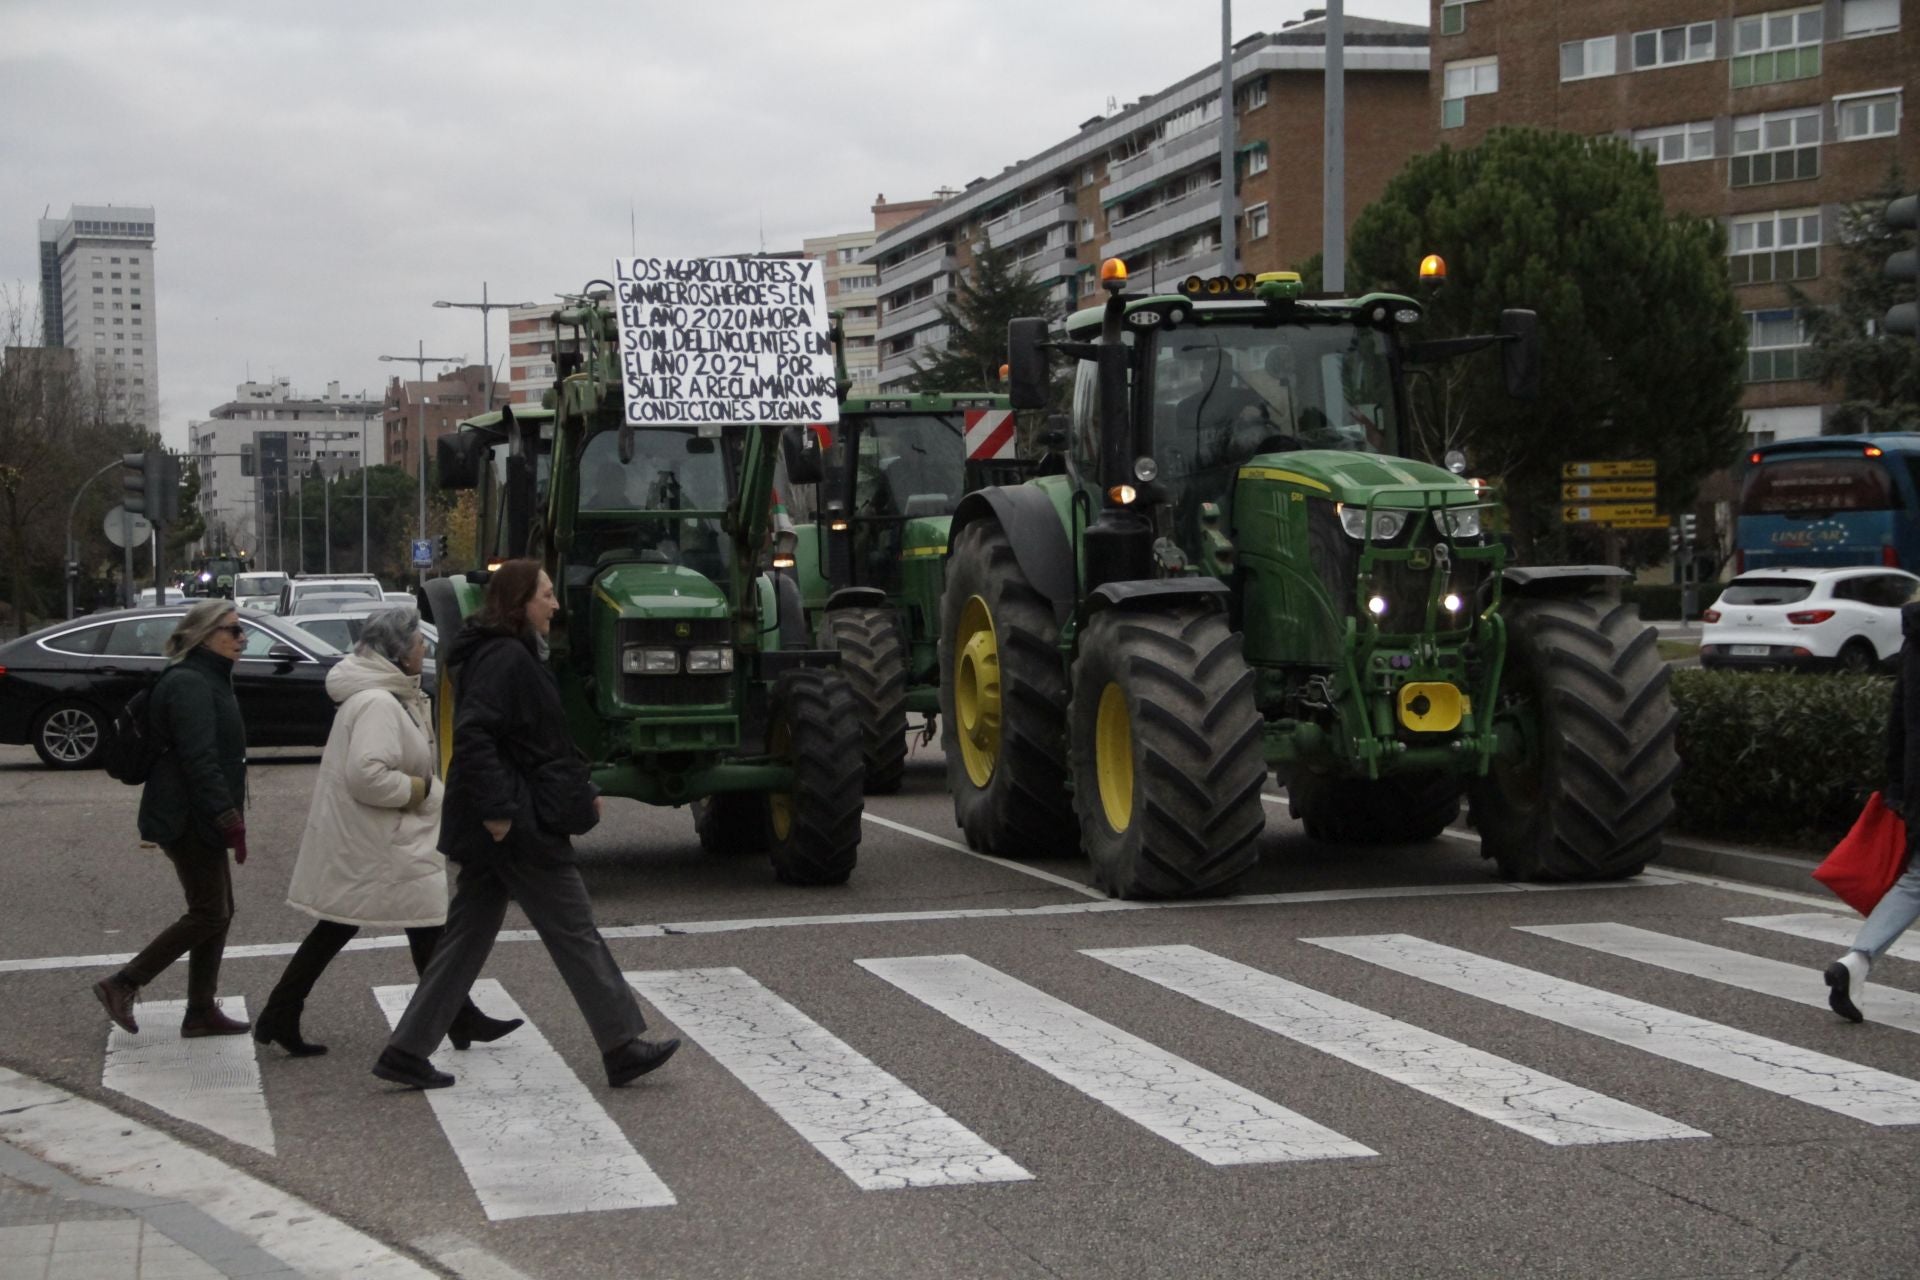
97,299
853,291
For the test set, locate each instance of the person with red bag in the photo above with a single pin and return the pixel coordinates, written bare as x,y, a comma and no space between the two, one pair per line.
1899,907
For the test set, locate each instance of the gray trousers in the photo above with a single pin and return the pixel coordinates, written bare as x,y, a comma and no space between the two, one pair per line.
555,900
1893,916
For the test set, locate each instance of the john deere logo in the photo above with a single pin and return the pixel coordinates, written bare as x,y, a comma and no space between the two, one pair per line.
682,630
1421,560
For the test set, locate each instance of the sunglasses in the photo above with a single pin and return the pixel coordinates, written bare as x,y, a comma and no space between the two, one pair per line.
233,629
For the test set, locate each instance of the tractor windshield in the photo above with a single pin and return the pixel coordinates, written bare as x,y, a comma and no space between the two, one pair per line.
908,465
632,510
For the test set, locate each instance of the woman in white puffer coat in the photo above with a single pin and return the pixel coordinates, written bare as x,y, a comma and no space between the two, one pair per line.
368,856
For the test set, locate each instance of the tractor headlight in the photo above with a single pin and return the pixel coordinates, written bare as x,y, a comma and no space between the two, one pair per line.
650,662
1145,470
785,544
709,661
1460,522
1386,524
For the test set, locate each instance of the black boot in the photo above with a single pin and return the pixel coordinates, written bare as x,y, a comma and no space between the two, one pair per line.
280,1024
635,1058
406,1068
208,1020
470,1025
116,994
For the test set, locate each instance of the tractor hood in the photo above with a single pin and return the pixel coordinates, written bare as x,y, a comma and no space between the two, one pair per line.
660,591
1346,476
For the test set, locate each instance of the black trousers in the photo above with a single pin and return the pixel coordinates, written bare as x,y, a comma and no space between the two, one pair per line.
555,900
317,950
201,934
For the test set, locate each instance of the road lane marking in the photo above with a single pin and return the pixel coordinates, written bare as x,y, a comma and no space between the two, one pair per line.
1863,1093
874,1129
1078,886
1737,886
209,1081
1796,982
532,1139
1191,1107
1494,1088
1823,926
1304,897
104,1147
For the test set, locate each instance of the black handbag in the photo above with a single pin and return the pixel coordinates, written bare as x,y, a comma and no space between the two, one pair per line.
563,796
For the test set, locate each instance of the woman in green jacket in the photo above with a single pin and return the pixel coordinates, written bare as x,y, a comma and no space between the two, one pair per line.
193,808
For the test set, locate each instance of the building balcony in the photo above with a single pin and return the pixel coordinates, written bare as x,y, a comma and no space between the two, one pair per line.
900,364
1051,263
915,315
925,265
1161,160
1161,221
1050,210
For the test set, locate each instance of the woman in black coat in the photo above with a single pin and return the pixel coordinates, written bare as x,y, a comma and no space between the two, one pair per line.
193,808
516,790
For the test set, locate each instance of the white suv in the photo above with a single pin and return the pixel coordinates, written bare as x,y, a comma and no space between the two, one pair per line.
1808,619
337,585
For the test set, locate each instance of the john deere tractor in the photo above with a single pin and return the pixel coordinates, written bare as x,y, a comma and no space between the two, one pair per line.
684,663
872,543
1238,573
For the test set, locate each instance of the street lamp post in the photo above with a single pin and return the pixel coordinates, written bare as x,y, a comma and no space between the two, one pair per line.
486,351
421,360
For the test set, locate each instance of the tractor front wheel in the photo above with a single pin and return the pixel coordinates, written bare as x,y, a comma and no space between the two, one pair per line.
814,829
873,656
1167,763
1583,784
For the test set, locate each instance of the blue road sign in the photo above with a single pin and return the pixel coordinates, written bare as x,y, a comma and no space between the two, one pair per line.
423,552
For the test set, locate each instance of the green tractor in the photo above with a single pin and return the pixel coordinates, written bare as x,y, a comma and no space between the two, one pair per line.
872,542
1238,573
683,661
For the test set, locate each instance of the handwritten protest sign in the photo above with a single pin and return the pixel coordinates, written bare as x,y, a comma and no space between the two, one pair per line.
724,340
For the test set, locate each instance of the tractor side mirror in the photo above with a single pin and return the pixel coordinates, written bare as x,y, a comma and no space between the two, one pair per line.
1027,363
1055,433
801,449
457,459
1520,352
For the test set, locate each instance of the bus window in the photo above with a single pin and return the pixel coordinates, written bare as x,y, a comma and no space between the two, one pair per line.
1795,486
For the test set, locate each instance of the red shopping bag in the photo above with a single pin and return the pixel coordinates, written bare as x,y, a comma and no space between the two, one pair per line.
1864,865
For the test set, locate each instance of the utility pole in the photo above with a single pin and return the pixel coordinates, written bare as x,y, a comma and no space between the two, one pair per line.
1229,202
1333,197
363,481
421,360
486,352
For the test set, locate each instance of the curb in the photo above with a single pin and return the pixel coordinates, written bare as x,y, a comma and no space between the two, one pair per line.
1731,862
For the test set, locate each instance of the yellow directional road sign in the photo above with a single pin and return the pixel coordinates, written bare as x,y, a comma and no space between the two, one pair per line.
1617,469
1656,522
1609,490
1610,513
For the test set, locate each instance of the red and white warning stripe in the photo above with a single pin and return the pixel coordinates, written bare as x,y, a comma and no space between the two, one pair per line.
989,434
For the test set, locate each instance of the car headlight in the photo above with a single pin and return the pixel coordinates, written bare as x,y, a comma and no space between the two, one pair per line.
709,661
650,662
1386,524
1460,522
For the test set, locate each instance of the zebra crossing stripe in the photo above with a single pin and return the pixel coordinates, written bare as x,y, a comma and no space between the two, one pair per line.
1863,1093
1796,982
1824,927
875,1129
1211,1117
529,1135
1507,1093
210,1081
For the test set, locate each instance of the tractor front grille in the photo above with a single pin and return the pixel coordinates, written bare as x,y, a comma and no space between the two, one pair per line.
676,690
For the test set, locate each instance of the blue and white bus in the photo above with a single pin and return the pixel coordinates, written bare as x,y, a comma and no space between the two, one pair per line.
1828,501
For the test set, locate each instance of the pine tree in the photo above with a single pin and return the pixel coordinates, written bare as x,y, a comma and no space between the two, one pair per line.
1878,375
976,315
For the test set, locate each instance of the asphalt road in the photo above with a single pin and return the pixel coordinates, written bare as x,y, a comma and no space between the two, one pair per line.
1742,1181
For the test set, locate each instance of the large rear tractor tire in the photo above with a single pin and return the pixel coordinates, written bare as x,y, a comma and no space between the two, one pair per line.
814,721
873,656
1003,689
1167,763
1406,809
1590,790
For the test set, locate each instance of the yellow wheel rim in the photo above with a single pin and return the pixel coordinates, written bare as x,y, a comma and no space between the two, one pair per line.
976,691
780,803
1113,757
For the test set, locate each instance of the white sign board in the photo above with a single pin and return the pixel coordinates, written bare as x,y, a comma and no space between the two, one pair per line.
724,341
125,529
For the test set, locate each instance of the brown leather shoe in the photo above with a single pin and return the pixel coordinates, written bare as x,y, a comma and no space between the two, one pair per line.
211,1022
116,994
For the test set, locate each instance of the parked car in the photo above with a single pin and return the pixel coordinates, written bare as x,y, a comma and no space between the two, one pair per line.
342,631
302,585
61,686
1808,619
258,590
335,602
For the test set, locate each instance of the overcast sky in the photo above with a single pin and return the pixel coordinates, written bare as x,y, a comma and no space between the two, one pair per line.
322,173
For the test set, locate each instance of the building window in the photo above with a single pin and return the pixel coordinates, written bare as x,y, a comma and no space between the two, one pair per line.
1766,247
1256,161
1253,97
1866,115
1086,228
1671,46
1777,146
1771,47
1466,79
1869,17
1584,59
1453,17
1676,143
1777,347
1256,221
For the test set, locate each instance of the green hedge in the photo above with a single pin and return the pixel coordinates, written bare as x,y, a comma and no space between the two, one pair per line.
1782,758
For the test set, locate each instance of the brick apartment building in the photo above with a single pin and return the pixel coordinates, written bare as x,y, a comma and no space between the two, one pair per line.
1769,117
853,285
434,407
1143,183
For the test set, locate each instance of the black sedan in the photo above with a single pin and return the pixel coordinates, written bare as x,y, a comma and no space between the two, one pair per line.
61,686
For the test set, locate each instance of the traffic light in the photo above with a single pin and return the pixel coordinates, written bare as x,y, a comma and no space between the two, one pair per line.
1904,317
440,547
134,481
1687,528
150,485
